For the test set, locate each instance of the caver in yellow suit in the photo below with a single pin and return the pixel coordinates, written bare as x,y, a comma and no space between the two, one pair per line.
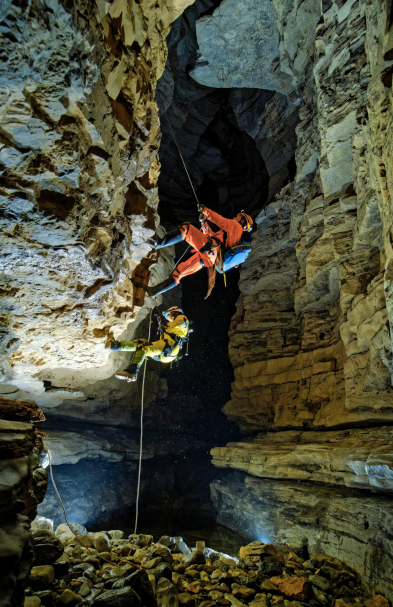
167,349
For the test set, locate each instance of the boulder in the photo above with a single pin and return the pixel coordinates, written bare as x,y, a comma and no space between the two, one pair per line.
84,590
47,548
47,597
68,598
40,522
141,540
243,592
64,528
298,588
323,584
233,600
194,558
101,542
122,597
267,552
42,576
376,601
162,570
181,547
32,601
167,595
152,563
116,534
228,560
140,582
270,569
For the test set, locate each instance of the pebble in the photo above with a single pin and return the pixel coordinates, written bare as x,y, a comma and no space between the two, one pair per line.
168,574
42,576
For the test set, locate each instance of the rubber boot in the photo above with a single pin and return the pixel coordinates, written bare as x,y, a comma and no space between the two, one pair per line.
114,345
169,239
165,285
130,374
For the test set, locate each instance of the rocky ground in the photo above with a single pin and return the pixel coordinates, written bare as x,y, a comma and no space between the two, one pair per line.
114,571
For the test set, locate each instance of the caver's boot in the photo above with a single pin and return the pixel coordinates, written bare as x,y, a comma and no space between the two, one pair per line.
165,285
130,374
169,239
114,345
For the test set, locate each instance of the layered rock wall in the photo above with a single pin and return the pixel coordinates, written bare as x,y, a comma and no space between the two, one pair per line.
22,487
311,339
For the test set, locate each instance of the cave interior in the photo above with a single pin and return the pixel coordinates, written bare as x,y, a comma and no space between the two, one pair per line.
276,427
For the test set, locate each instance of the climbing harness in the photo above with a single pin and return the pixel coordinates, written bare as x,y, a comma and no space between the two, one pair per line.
66,519
227,258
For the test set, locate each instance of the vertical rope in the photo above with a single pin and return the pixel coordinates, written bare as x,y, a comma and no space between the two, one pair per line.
178,148
141,437
65,515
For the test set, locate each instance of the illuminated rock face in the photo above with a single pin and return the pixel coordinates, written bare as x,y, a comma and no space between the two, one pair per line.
79,137
347,524
311,339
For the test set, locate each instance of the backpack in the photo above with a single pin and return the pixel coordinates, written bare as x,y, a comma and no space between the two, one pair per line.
233,257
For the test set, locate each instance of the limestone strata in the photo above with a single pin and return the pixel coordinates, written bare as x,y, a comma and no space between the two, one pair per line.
22,487
79,137
360,458
112,445
340,522
310,341
311,338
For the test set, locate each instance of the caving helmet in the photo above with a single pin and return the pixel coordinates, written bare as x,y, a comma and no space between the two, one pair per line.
249,221
174,310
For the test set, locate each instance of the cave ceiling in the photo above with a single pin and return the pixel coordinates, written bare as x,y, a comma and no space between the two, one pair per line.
238,138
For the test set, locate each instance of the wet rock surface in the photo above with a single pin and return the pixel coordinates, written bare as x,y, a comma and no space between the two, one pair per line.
261,576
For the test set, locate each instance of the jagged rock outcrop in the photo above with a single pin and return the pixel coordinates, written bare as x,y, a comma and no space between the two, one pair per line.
79,135
22,487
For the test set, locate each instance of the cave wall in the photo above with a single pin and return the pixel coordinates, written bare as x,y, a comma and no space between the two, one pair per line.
79,137
311,339
23,484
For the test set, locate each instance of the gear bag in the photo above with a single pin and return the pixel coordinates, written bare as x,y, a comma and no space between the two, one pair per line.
233,257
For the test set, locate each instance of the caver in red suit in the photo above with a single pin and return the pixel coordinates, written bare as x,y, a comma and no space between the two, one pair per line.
206,245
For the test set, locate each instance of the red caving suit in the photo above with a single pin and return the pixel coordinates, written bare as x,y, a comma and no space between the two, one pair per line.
198,240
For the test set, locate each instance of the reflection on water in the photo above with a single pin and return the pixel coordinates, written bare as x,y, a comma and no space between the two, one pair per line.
192,528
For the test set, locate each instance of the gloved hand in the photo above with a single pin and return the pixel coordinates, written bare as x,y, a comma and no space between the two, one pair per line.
115,345
201,208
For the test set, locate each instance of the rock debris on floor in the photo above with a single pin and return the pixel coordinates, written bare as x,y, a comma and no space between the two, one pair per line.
167,573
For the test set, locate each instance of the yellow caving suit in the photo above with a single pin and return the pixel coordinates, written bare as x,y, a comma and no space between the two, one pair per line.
178,328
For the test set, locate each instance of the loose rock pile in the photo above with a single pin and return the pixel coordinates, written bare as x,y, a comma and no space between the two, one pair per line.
169,574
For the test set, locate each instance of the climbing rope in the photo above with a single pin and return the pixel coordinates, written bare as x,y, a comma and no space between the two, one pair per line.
139,469
66,519
141,437
179,150
177,263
